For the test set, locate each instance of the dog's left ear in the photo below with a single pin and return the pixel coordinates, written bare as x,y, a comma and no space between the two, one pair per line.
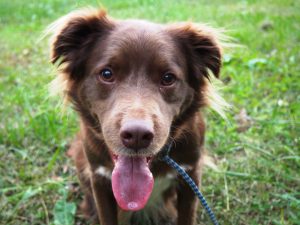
201,46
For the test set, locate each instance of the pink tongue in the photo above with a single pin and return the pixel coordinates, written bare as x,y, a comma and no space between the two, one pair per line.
132,182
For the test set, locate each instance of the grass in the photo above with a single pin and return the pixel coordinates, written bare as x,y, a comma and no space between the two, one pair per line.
258,180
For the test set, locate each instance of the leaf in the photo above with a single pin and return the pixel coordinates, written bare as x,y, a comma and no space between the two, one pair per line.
227,59
21,152
29,193
244,121
253,63
64,212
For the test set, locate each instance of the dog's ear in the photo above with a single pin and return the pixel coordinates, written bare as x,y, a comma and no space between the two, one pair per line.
74,36
201,47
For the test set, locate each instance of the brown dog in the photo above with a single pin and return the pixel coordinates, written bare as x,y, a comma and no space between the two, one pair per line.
136,86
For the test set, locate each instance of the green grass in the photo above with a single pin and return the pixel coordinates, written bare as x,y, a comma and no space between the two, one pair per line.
258,181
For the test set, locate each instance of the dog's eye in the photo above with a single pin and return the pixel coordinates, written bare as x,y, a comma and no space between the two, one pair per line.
168,79
106,75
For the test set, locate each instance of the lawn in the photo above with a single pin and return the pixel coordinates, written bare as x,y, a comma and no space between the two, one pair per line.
256,150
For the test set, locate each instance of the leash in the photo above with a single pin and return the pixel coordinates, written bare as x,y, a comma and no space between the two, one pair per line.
164,156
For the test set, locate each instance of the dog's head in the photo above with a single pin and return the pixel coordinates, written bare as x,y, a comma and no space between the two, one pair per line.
133,81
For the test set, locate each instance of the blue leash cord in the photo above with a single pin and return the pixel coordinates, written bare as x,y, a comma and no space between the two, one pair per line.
165,157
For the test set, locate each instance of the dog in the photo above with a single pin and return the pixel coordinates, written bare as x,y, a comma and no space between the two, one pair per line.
137,86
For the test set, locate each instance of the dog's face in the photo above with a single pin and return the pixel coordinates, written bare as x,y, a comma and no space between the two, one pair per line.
136,85
134,78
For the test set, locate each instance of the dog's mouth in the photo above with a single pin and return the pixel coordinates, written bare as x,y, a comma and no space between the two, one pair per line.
132,181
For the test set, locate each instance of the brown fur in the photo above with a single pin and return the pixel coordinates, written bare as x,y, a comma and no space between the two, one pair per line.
139,53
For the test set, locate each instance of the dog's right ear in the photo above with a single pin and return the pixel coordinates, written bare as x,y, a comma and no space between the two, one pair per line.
74,36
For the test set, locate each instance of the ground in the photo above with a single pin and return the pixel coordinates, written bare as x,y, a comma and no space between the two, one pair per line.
256,149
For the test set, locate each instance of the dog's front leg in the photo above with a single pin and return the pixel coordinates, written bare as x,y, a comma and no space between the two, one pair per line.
105,202
187,201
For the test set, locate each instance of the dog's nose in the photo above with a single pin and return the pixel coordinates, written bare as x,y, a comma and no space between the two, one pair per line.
136,134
